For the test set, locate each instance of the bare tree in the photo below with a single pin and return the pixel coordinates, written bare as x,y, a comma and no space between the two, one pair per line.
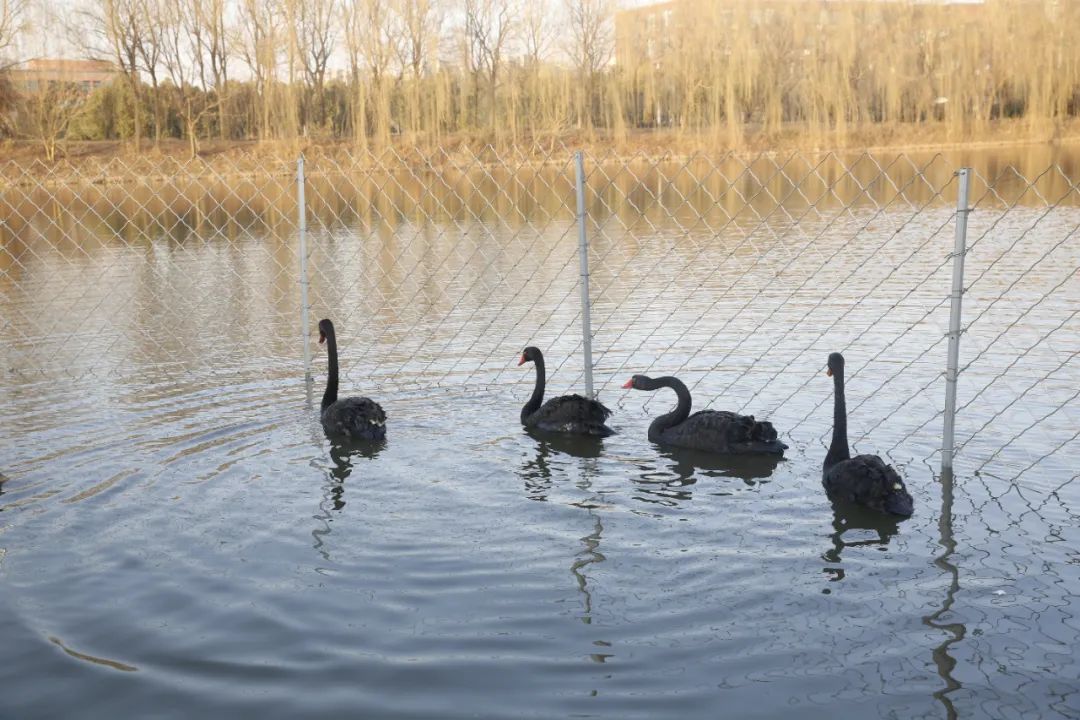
371,34
12,17
591,46
488,24
152,20
537,32
114,30
315,40
416,47
206,26
177,21
46,110
259,27
537,41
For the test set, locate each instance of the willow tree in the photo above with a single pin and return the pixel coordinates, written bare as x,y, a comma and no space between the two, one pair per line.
488,25
205,21
116,30
417,50
590,46
315,38
260,25
12,19
372,32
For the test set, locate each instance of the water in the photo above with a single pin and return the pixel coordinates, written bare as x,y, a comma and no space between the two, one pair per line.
178,537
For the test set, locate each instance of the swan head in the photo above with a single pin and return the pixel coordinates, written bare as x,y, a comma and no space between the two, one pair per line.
836,364
637,382
529,354
325,328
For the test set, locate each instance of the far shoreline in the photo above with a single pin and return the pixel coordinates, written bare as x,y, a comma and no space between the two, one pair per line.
105,160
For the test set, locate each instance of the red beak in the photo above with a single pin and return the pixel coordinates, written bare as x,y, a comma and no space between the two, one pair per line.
629,384
829,372
523,360
322,338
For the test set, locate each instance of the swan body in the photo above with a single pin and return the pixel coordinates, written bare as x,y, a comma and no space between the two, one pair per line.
356,418
865,480
572,414
714,431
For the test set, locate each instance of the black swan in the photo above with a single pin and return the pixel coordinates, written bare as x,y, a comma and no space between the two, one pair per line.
714,431
567,414
357,418
864,479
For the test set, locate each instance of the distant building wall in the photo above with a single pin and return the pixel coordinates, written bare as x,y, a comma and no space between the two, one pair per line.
87,74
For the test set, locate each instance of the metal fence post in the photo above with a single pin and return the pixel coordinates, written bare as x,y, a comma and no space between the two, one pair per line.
301,223
583,257
952,369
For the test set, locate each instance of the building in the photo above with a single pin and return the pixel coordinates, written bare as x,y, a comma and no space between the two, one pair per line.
87,74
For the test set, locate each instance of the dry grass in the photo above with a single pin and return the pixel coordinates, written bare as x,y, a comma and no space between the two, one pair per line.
109,158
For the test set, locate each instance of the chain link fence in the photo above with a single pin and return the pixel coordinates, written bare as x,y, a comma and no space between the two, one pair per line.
737,274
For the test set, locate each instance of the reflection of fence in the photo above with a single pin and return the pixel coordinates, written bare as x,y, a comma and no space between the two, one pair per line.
738,275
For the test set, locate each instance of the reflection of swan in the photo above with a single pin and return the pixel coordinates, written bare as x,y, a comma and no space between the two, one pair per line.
342,455
571,414
863,479
343,452
537,472
715,431
358,418
749,468
582,446
848,516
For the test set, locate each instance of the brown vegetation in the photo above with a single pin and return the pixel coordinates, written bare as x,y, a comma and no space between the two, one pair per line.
686,75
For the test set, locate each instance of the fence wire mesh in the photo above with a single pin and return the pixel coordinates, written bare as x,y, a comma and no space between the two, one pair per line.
737,274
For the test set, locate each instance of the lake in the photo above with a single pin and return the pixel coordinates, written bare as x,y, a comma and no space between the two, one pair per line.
178,537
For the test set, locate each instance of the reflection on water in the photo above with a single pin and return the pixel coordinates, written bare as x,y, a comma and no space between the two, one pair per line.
686,463
590,555
344,456
670,479
855,520
184,482
954,632
536,470
114,664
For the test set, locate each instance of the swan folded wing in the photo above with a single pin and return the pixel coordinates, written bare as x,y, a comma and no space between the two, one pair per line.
729,428
355,415
571,409
863,479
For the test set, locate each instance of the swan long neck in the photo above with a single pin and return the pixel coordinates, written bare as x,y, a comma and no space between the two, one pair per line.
676,416
538,391
838,450
330,396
